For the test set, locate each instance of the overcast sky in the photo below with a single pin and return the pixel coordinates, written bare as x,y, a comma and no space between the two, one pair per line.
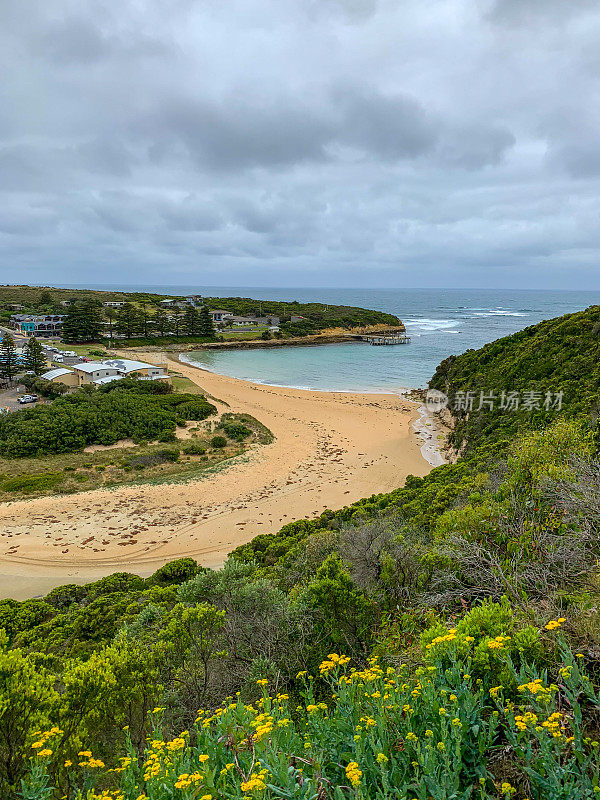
301,142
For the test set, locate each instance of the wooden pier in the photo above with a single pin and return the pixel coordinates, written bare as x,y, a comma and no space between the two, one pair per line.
381,337
386,339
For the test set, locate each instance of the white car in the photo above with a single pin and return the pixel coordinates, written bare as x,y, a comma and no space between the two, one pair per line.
27,398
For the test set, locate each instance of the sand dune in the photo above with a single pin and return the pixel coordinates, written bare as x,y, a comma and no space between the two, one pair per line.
330,450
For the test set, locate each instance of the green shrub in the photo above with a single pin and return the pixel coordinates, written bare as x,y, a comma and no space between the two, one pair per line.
218,442
235,430
31,483
193,449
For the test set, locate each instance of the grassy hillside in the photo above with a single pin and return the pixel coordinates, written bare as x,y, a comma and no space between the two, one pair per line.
439,641
317,316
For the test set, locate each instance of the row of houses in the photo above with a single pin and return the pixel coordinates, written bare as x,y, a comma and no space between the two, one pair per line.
46,325
101,372
221,317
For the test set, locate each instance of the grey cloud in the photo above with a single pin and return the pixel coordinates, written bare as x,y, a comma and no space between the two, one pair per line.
476,146
389,126
74,40
553,12
236,135
274,139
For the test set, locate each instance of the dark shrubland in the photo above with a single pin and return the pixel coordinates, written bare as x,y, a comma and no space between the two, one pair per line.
140,410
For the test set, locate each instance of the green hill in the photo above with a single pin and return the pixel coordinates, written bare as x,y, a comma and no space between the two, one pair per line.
558,355
439,641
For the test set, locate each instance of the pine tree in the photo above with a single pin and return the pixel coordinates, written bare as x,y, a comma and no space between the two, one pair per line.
177,314
191,321
161,323
127,320
82,323
206,327
8,357
35,359
45,299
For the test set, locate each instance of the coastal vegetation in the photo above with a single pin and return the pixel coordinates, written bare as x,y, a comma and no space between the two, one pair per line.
439,641
130,431
141,318
136,409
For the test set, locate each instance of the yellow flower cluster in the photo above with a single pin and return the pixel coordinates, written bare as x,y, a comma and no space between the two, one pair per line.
554,624
92,763
565,672
44,736
176,744
353,773
152,766
184,781
263,725
256,782
498,642
523,720
537,688
449,637
552,724
333,661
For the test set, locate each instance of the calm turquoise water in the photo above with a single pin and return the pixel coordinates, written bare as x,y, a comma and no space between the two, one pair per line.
440,321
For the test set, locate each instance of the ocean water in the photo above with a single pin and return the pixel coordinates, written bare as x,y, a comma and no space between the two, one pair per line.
440,322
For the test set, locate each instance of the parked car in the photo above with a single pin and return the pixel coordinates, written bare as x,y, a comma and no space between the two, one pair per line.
28,398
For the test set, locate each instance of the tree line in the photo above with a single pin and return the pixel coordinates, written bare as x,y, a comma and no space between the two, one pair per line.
11,363
88,321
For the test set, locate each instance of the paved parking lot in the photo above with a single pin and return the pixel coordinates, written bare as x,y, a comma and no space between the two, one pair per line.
8,398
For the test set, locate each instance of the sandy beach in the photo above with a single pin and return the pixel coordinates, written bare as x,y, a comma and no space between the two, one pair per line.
330,450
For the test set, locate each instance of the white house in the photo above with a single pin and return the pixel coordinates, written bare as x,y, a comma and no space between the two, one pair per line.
90,371
126,367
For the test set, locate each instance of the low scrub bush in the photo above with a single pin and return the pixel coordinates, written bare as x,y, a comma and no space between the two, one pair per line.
193,449
235,430
31,483
218,442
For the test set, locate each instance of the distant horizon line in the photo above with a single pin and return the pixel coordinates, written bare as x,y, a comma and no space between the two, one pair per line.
114,287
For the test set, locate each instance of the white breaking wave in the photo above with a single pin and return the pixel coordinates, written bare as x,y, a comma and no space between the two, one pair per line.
426,324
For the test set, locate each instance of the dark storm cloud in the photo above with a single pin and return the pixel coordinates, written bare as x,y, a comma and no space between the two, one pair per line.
372,139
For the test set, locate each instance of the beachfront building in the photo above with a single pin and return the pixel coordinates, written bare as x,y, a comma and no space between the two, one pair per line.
61,375
128,368
194,300
44,325
91,371
99,373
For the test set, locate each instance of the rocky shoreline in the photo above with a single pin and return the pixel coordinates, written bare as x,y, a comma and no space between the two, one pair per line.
297,341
